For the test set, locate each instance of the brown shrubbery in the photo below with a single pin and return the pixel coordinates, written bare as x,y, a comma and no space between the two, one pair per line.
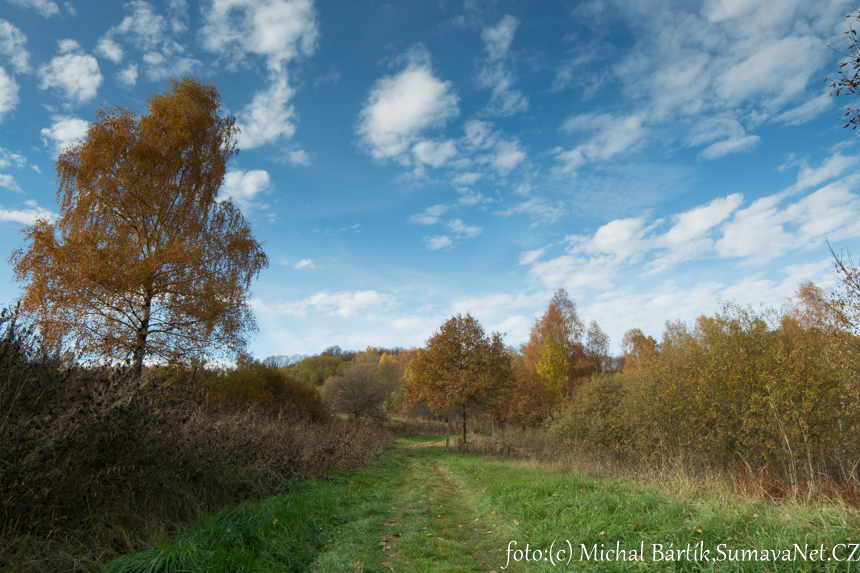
95,463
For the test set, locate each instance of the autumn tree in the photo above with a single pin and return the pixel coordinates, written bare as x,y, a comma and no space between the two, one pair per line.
560,332
461,368
143,260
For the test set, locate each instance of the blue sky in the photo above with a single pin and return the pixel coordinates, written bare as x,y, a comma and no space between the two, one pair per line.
405,161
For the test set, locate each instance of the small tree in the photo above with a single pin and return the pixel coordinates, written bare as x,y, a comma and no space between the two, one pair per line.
461,367
143,261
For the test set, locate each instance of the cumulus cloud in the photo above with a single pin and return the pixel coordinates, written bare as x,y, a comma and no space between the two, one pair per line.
128,76
109,49
43,7
243,187
402,106
74,73
304,264
12,42
277,30
65,131
268,117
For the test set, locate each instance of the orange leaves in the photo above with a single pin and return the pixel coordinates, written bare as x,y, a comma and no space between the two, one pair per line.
461,367
143,262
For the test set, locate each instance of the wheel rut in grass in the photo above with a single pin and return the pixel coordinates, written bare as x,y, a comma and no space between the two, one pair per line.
433,525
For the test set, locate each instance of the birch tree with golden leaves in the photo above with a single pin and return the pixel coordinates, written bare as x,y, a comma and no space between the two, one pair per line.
144,262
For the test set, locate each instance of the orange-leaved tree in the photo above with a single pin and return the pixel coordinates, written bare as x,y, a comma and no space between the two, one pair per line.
143,260
461,367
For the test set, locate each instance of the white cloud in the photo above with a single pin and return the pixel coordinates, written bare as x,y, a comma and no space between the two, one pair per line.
779,69
497,40
143,26
145,31
269,116
727,132
434,153
243,187
8,93
833,167
493,73
8,182
7,159
43,7
128,76
12,42
430,216
402,106
507,155
109,49
733,145
614,135
277,30
74,73
65,131
438,242
528,257
770,227
25,216
304,264
459,228
299,157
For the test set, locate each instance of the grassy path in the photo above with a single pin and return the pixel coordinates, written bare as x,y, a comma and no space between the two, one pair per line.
418,509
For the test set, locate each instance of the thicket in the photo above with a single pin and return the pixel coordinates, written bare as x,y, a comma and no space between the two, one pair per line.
97,463
762,394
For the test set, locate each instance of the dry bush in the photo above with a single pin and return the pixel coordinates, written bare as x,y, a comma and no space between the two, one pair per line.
97,464
358,392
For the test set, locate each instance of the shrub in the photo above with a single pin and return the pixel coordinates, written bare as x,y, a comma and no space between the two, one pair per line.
358,392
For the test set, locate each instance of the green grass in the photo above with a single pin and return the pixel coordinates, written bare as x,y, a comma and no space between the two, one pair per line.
419,509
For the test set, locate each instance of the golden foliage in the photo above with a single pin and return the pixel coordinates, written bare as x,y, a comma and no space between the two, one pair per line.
143,261
461,367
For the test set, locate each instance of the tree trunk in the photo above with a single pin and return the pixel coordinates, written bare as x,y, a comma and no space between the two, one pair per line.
447,432
464,424
140,339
